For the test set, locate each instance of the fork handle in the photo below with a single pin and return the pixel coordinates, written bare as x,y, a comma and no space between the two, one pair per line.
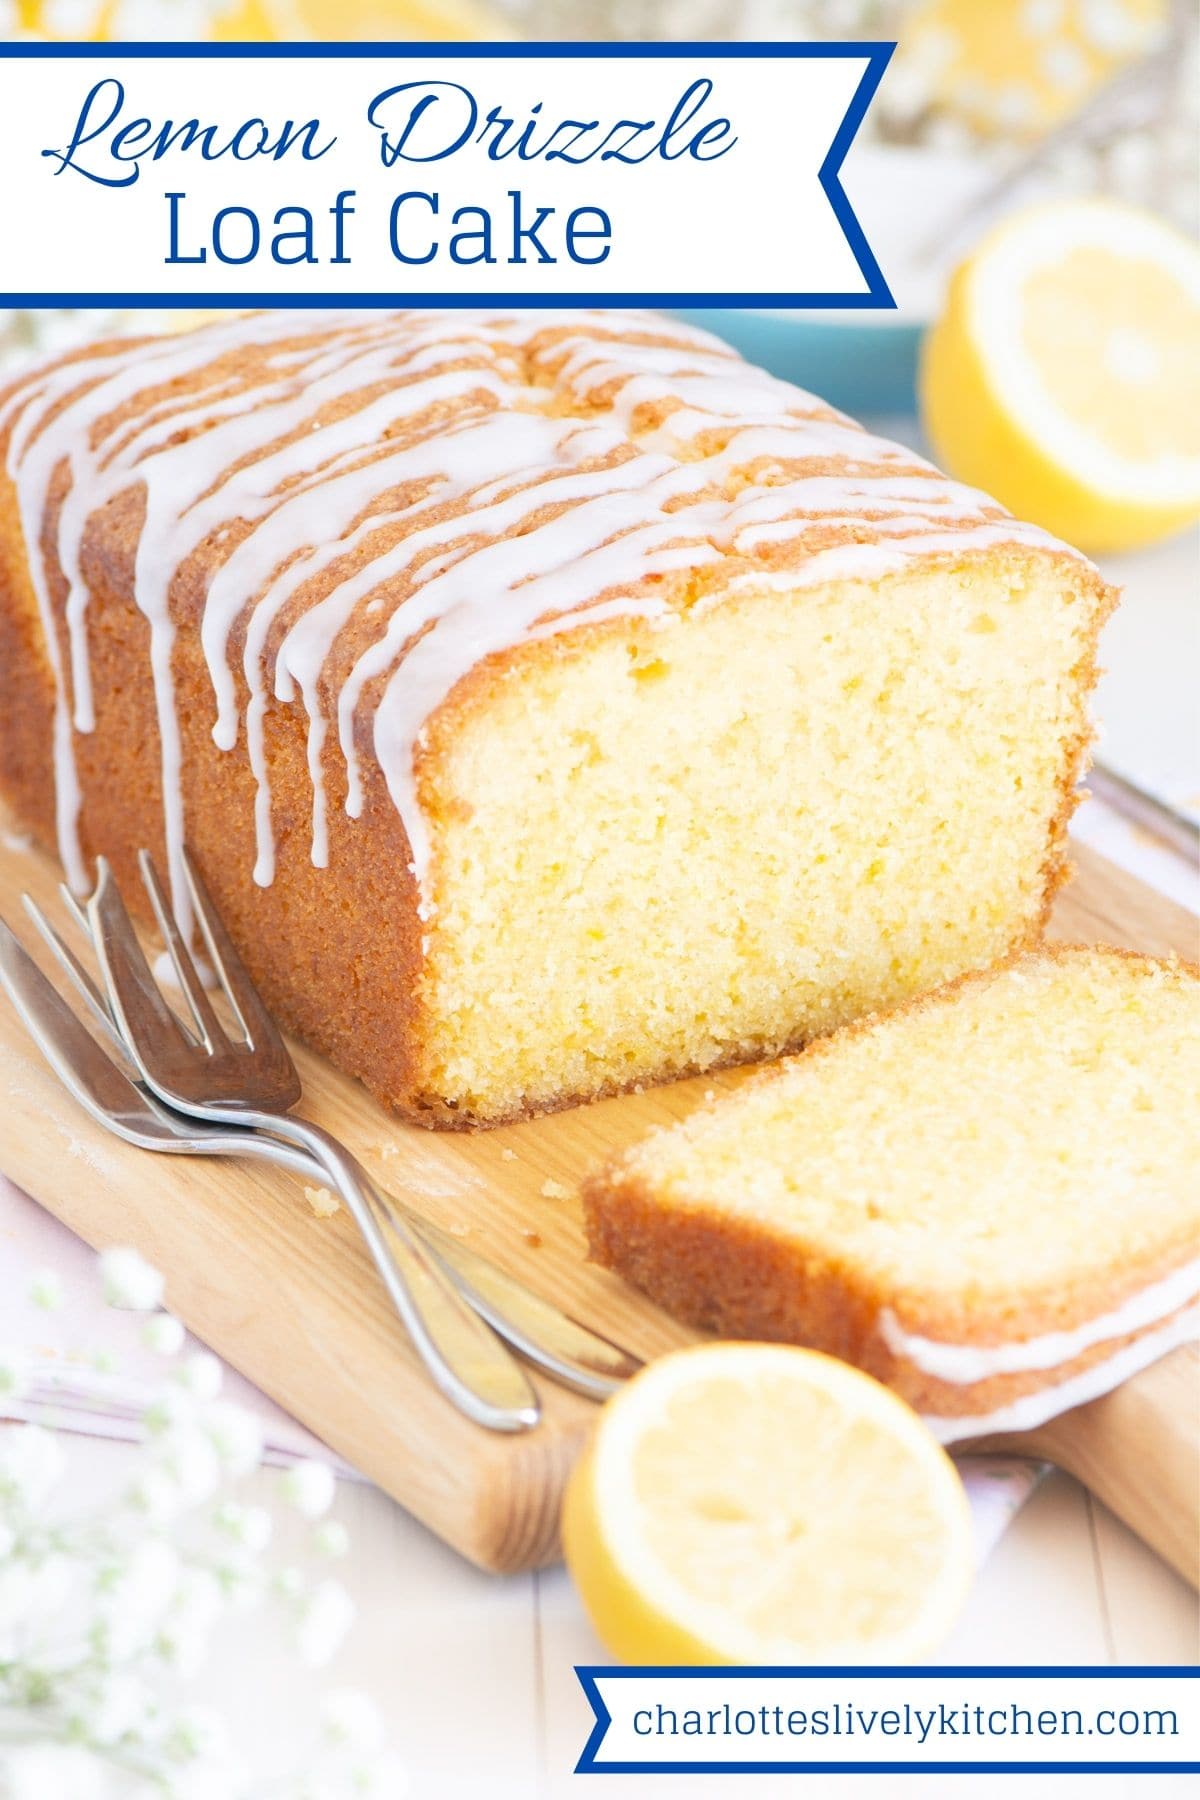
462,1354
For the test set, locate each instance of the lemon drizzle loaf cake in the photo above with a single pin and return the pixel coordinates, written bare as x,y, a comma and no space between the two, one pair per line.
554,701
990,1199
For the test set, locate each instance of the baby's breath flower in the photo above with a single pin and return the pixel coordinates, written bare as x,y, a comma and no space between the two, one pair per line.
133,1594
190,1460
235,1435
309,1486
171,1409
156,1494
325,1618
164,1334
111,1708
46,1290
31,1463
249,1526
97,1613
197,1732
290,1582
331,1538
200,1375
351,1718
14,1372
197,1598
242,1581
129,1281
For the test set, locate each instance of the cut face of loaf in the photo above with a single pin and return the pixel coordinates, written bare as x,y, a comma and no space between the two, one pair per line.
554,702
989,1199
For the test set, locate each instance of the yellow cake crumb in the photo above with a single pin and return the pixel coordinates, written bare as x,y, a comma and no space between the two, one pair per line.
323,1202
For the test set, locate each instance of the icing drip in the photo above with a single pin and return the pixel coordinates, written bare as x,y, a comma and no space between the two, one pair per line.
968,1363
1101,1378
387,499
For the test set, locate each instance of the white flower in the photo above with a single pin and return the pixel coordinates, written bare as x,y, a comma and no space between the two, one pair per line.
133,1597
198,1732
46,1290
290,1582
130,1281
189,1457
156,1494
31,1464
309,1487
351,1718
250,1526
197,1598
172,1408
117,1706
331,1538
200,1375
235,1435
325,1618
164,1334
242,1582
14,1372
184,1635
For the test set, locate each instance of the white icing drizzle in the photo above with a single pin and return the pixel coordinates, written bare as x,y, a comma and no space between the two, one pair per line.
1047,1402
964,1364
443,486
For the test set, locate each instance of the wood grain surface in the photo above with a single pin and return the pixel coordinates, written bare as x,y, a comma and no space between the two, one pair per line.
292,1301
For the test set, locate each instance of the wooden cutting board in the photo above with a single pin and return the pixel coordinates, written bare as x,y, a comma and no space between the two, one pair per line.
292,1301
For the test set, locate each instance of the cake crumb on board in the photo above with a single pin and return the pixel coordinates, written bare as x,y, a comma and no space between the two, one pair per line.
554,1190
323,1202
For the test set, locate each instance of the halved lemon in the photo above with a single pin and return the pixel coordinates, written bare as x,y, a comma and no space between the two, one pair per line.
1064,374
756,1503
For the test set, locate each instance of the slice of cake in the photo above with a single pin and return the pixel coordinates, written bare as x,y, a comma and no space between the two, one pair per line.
990,1199
553,701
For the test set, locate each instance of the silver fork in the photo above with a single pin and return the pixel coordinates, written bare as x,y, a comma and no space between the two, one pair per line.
251,1081
108,1085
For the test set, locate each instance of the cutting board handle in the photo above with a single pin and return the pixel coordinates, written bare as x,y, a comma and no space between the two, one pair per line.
1138,1450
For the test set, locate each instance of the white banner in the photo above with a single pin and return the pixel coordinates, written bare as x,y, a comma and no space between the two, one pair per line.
201,174
891,1720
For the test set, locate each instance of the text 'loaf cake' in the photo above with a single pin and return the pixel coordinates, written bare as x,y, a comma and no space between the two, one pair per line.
553,701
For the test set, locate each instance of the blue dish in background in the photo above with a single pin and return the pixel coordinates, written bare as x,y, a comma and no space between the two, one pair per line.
860,366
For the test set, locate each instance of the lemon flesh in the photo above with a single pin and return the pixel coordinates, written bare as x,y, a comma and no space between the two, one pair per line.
1064,374
761,1504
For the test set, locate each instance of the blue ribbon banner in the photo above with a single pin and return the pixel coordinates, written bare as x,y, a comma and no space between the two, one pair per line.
194,175
806,1721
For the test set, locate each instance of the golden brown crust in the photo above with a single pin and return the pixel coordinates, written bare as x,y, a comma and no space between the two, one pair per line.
720,1275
